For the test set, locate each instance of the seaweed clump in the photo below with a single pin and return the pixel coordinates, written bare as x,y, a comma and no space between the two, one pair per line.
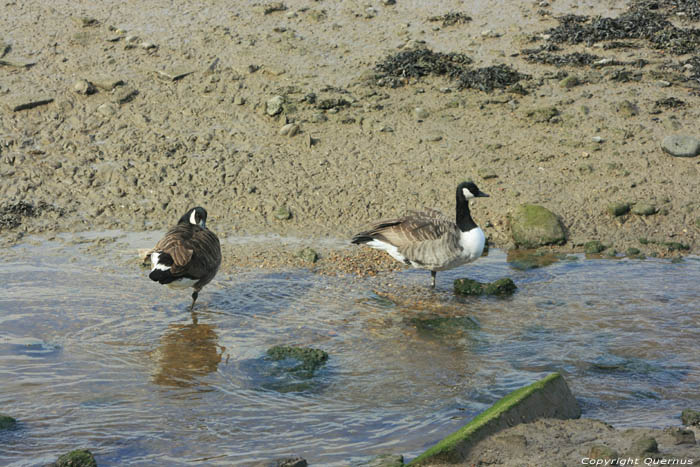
451,18
639,22
396,70
11,214
545,56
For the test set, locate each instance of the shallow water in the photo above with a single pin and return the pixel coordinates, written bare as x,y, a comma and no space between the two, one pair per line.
92,354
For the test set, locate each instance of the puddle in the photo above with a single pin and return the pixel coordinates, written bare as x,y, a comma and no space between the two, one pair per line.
95,355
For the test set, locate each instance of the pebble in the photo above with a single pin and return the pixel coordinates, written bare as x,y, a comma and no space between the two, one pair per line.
681,146
663,84
239,100
148,45
107,109
282,213
597,139
644,209
274,105
83,87
421,113
106,83
173,74
619,209
319,117
290,129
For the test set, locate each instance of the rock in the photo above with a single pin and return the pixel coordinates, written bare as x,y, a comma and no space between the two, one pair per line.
290,129
542,114
632,251
486,173
601,451
433,138
569,82
308,254
503,286
282,213
23,102
444,327
107,109
644,446
123,94
690,417
106,83
420,113
7,422
83,87
681,146
273,7
681,435
239,100
597,139
309,359
148,45
274,105
385,460
593,247
626,109
285,462
619,209
332,103
76,458
533,226
173,74
644,209
319,117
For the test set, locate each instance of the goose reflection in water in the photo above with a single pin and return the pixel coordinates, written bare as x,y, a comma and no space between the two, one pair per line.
187,352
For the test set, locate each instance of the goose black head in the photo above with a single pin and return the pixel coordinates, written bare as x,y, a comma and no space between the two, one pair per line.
195,216
469,190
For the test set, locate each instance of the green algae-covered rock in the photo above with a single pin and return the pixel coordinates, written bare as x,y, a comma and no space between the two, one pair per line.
593,247
385,460
533,226
308,254
503,286
601,451
690,417
644,446
644,209
282,213
444,325
309,359
619,209
77,458
7,422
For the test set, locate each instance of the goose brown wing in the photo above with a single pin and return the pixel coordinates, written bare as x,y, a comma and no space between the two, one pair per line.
207,254
415,227
177,244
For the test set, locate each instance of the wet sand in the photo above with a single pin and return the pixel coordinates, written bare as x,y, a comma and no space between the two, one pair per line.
190,124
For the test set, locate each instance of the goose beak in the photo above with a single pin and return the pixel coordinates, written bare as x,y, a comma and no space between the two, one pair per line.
481,194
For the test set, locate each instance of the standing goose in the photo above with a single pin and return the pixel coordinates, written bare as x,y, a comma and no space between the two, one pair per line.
429,239
188,255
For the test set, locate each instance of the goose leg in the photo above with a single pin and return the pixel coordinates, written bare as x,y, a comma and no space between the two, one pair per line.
433,274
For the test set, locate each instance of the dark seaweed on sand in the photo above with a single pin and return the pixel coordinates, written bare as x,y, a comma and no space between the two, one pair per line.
11,214
639,22
451,18
416,63
544,56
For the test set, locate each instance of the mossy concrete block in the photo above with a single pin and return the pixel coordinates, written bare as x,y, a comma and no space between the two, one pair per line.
619,209
548,398
593,247
77,458
532,226
7,422
503,286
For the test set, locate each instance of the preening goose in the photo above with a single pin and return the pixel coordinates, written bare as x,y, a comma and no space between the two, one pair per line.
188,255
429,239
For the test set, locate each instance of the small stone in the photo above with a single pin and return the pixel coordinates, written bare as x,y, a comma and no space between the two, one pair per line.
239,100
570,82
77,458
282,213
627,109
632,251
83,87
86,21
644,209
274,105
690,417
602,452
662,83
504,286
643,446
542,114
681,435
681,146
7,422
434,138
593,247
490,34
148,45
420,113
597,139
308,254
273,7
290,129
319,117
173,74
107,109
486,173
123,94
619,209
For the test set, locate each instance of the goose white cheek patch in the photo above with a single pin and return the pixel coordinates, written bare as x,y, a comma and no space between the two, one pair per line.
467,194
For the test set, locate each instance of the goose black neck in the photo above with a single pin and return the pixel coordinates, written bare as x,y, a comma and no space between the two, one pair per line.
464,217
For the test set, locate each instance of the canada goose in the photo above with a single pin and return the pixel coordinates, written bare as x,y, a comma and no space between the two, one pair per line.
429,239
188,255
